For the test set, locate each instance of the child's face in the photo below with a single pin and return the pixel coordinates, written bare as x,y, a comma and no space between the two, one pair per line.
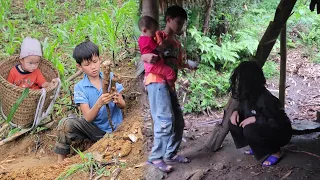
30,63
175,24
91,68
151,32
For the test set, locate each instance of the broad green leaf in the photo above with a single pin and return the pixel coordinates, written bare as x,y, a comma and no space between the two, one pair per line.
17,104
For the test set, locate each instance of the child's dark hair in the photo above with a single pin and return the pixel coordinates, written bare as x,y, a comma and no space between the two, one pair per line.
84,51
175,11
247,82
147,22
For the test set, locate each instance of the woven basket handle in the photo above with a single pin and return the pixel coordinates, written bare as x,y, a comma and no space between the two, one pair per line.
43,115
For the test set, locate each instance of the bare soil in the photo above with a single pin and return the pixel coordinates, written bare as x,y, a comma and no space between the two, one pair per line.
302,87
301,159
22,159
230,163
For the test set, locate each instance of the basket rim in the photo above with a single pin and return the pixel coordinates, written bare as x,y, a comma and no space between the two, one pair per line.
20,89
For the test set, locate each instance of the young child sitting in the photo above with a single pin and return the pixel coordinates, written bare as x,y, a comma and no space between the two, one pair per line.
259,121
88,94
27,74
147,43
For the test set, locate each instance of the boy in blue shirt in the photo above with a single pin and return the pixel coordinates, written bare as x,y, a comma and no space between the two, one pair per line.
92,102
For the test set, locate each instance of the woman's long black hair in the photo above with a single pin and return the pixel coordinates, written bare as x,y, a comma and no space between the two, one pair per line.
247,82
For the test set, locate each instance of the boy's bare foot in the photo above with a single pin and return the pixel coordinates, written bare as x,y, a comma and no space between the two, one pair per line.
62,161
61,157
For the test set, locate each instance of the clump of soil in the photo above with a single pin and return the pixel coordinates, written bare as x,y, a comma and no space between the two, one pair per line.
113,145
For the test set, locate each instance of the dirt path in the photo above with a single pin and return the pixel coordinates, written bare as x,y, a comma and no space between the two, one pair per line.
229,163
302,102
302,86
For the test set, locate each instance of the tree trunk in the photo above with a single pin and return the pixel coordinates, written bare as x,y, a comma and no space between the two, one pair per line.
271,35
221,29
283,65
209,4
150,8
221,130
265,46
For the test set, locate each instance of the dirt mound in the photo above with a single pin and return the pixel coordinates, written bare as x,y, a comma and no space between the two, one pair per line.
117,148
113,145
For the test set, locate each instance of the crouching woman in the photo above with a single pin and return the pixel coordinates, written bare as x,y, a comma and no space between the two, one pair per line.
259,121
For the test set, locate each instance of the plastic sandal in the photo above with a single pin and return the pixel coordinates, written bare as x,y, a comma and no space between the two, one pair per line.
179,159
249,152
272,159
162,166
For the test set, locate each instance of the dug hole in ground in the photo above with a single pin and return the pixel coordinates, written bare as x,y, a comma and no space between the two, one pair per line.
32,157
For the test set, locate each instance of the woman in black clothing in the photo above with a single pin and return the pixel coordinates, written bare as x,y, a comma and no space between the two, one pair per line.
259,121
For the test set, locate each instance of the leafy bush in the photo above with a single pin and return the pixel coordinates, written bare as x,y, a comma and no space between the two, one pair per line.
211,82
213,54
206,87
306,26
270,69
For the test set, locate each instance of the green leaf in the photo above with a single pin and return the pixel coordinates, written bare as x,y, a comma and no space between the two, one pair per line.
17,104
13,131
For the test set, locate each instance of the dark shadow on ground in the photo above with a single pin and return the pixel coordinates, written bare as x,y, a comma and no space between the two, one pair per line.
230,163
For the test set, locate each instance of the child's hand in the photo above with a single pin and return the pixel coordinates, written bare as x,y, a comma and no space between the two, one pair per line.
150,58
192,65
118,100
193,68
53,82
247,121
234,118
45,85
104,99
171,86
171,89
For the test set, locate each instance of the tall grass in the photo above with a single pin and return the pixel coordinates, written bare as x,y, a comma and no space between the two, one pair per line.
61,25
4,11
109,28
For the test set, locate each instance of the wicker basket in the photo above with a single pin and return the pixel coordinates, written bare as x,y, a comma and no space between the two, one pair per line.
9,93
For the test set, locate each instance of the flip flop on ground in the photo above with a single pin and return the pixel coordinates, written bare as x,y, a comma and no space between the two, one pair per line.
249,152
178,159
272,160
162,166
